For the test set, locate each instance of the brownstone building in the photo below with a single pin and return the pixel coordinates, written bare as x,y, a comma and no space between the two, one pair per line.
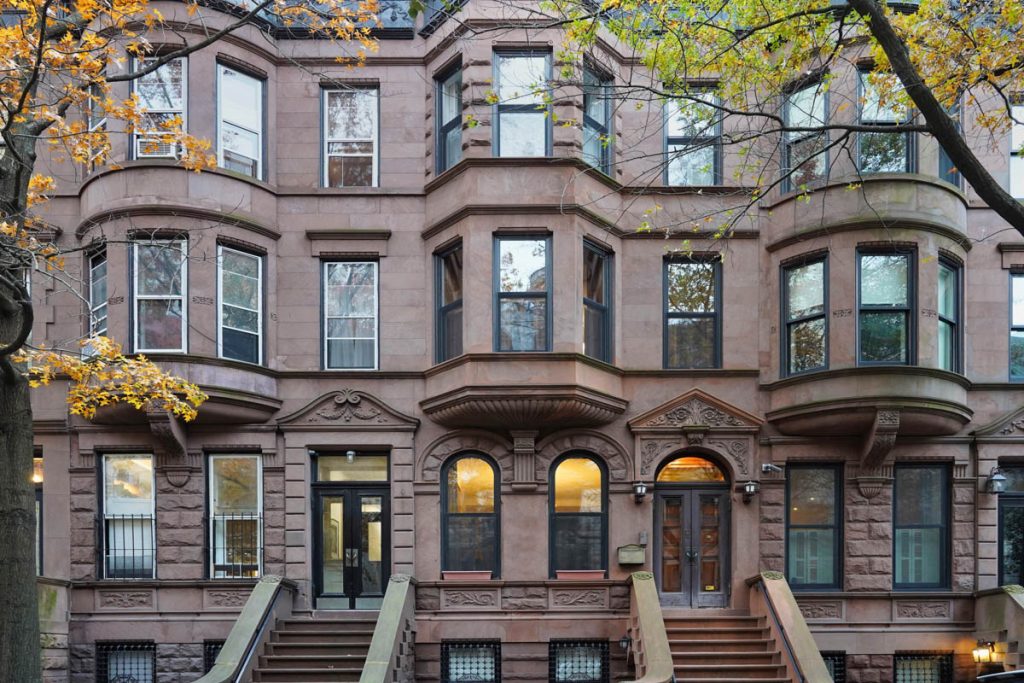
436,346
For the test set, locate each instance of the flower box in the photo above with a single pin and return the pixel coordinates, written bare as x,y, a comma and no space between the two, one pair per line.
466,576
580,574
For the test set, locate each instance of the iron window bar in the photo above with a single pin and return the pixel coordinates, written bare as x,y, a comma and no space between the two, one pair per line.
132,661
129,548
236,550
835,662
470,661
923,667
578,661
211,649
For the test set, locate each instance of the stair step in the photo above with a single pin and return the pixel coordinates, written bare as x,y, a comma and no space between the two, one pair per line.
712,658
312,661
317,648
715,633
332,625
744,672
345,637
296,675
722,645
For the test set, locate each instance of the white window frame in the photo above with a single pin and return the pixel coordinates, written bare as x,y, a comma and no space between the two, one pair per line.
94,329
183,297
376,316
211,560
220,303
327,139
106,506
1016,170
221,120
139,139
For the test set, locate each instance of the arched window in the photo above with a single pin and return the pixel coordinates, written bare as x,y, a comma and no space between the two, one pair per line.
579,515
691,470
470,528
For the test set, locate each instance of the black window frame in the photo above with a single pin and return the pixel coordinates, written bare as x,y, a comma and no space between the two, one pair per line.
716,261
606,309
496,514
836,526
499,108
688,140
945,660
601,646
444,128
1009,500
211,650
910,310
104,648
946,527
1018,327
957,337
598,83
40,510
102,546
792,139
552,539
947,170
448,645
441,309
910,140
499,296
838,661
788,323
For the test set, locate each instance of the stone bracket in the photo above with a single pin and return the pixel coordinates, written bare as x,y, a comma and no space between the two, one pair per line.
871,482
880,439
171,446
524,452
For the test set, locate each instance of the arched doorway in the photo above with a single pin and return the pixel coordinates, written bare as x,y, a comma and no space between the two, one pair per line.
691,524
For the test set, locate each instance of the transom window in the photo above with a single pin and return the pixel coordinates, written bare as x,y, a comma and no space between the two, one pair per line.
350,315
693,131
885,322
523,124
449,120
805,301
579,535
159,293
882,152
806,162
813,525
240,123
161,94
692,313
470,521
522,267
241,305
236,520
690,469
921,526
449,303
350,138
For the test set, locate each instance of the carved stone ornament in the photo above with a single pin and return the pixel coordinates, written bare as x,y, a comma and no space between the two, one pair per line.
822,610
694,434
167,432
465,441
126,599
585,441
738,451
922,610
881,438
653,451
1015,426
580,598
349,409
469,598
871,482
227,598
694,412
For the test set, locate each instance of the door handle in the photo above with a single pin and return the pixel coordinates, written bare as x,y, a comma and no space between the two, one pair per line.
351,557
691,556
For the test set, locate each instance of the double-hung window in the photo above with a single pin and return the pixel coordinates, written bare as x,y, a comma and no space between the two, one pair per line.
240,296
350,315
806,162
921,526
162,96
1017,150
236,520
814,521
240,122
597,317
98,293
448,91
1017,326
449,303
470,503
693,294
522,108
350,137
597,115
948,312
160,294
693,139
882,152
37,484
96,125
804,306
885,307
579,519
522,267
1011,526
128,522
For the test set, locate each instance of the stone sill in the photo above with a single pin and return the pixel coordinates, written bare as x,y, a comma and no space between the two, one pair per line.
875,595
170,583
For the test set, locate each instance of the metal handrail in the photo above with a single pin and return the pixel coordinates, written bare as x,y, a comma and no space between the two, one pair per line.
782,632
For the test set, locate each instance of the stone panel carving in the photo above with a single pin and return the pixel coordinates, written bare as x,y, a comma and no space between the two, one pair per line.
922,610
614,455
578,598
693,412
462,441
125,599
831,609
225,598
469,598
738,451
653,451
350,408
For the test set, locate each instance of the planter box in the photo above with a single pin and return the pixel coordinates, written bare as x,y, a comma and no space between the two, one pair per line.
466,576
580,574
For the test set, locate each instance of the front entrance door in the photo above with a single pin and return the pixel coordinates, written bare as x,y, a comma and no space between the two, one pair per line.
351,547
691,546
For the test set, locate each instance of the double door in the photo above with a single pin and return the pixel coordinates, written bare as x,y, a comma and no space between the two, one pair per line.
351,547
691,546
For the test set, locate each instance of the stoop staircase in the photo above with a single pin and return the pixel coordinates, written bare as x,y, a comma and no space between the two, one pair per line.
317,649
723,647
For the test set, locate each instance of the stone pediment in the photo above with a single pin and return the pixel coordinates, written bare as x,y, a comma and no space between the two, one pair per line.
349,409
695,410
1008,426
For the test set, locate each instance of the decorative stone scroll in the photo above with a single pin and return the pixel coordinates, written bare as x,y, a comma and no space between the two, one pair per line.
923,609
349,409
825,609
125,599
462,441
584,440
881,438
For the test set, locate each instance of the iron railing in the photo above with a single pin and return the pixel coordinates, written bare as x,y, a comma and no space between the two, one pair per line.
129,546
923,667
236,548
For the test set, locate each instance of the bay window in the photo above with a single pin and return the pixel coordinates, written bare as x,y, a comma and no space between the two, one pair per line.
240,122
597,116
350,315
97,263
448,91
578,515
813,525
162,96
693,140
948,312
448,283
522,319
597,319
236,516
804,306
350,137
806,162
240,297
522,110
128,517
160,295
471,513
921,512
882,152
885,307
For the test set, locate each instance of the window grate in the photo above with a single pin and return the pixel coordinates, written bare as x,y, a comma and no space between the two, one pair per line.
470,661
578,661
923,667
235,546
128,549
835,662
211,649
126,662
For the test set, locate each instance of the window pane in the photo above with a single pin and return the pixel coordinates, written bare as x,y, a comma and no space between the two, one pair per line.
235,484
578,486
577,542
242,143
451,277
807,345
923,670
160,324
1014,479
883,152
691,164
241,99
128,484
470,543
1017,354
920,495
522,134
593,275
1017,175
523,325
521,80
1012,534
243,346
351,114
593,148
361,468
947,346
691,287
351,289
883,279
452,341
244,265
805,108
595,97
523,265
452,146
1018,299
350,353
947,292
131,666
691,342
690,470
595,321
811,554
451,98
918,556
689,118
159,268
812,496
471,486
872,109
350,171
98,279
805,290
808,160
883,336
162,89
240,291
475,664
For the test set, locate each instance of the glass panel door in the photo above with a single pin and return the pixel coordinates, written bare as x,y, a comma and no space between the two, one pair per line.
710,578
332,546
352,548
671,557
691,547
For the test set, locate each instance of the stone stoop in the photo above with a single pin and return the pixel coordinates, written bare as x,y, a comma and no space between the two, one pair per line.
723,648
317,649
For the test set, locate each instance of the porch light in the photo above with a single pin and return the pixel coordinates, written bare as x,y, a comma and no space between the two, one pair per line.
350,456
996,482
983,653
750,489
639,491
625,641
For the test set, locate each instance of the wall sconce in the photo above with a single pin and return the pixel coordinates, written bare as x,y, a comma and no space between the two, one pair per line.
639,491
625,641
983,653
350,456
750,489
996,482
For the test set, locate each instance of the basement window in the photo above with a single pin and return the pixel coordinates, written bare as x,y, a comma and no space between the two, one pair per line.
474,661
923,667
117,662
579,661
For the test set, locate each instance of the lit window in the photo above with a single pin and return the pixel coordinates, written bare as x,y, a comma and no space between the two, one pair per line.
161,95
236,524
128,508
241,305
886,304
882,152
921,526
159,294
449,120
523,319
470,521
813,525
597,114
578,515
949,316
806,162
693,139
692,313
350,138
37,484
449,303
1017,327
240,123
523,124
350,315
597,319
806,325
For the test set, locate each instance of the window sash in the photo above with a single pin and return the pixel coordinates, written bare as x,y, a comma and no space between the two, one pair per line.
140,139
793,321
913,566
564,528
534,109
129,527
952,361
1017,152
374,317
224,121
181,298
446,127
793,530
449,334
227,558
872,114
678,145
601,311
222,272
330,140
522,295
598,86
906,310
715,315
98,303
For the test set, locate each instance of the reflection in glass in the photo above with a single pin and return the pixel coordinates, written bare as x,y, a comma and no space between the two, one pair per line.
522,294
159,286
371,555
805,158
671,544
240,107
690,469
449,315
241,306
360,468
332,546
471,522
596,319
522,109
693,127
350,309
812,524
948,315
921,525
578,486
884,308
710,556
351,137
692,314
578,515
